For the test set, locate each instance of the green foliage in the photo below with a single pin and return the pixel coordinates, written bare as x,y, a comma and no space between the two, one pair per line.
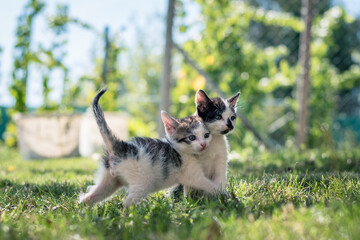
264,70
53,58
46,59
23,54
340,37
229,48
61,21
39,202
234,62
293,7
22,59
350,79
10,135
82,93
143,86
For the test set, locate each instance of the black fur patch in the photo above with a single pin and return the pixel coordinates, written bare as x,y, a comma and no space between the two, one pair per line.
225,131
208,112
160,152
122,150
105,160
190,123
229,124
185,140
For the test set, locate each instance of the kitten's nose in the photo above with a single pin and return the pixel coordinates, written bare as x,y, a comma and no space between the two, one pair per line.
203,145
229,124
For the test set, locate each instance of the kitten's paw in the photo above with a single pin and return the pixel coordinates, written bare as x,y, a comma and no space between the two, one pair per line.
85,199
82,199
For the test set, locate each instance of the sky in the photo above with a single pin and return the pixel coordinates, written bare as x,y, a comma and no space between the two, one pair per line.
117,14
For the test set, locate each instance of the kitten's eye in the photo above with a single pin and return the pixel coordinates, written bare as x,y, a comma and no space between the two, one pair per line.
233,118
192,137
207,135
218,117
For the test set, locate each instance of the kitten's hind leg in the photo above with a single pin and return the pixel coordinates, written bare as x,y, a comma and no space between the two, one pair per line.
106,186
135,195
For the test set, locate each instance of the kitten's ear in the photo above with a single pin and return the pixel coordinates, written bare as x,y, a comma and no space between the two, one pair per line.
201,98
170,123
233,100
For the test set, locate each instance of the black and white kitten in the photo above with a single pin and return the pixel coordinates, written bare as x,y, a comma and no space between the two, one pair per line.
219,116
146,165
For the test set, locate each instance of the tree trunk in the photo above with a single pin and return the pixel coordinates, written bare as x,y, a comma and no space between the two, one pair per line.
303,85
166,76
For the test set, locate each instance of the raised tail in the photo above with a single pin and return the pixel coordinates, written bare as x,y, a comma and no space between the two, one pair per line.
107,135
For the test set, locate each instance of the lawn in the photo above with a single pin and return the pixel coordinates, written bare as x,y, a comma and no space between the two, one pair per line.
315,195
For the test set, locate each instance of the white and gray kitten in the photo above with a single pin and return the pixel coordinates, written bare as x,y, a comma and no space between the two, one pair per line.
146,165
219,116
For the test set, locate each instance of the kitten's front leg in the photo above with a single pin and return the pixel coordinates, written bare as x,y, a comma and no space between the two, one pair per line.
194,177
220,172
201,183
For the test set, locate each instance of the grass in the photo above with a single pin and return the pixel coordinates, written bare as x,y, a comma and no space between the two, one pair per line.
284,195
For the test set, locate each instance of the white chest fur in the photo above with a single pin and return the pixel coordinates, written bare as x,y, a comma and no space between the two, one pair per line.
214,160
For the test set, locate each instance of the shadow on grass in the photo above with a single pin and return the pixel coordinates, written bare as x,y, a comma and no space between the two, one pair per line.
55,190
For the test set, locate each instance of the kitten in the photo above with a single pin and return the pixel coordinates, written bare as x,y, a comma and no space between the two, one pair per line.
219,116
146,165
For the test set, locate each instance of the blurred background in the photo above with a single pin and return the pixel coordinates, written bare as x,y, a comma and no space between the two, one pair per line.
155,54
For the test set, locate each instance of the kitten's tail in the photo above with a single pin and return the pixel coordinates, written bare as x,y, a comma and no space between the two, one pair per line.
107,135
